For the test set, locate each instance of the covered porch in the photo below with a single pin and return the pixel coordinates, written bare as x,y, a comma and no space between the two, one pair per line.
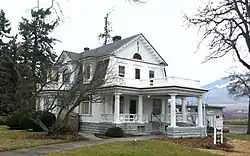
155,108
146,108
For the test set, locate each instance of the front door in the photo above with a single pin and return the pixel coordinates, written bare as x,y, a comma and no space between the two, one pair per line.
132,107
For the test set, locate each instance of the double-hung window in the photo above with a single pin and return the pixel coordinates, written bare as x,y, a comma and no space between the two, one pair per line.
137,74
122,71
86,107
151,76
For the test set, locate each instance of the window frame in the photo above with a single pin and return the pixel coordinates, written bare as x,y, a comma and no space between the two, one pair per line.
87,71
137,56
159,108
89,105
120,72
151,72
66,74
137,71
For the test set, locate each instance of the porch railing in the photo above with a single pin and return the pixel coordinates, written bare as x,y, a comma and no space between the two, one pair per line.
156,82
129,117
191,118
126,118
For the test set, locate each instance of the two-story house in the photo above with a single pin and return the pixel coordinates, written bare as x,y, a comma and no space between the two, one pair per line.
138,95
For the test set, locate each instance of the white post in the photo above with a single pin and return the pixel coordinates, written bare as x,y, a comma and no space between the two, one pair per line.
200,116
163,110
215,132
184,109
166,111
105,109
173,110
140,108
117,108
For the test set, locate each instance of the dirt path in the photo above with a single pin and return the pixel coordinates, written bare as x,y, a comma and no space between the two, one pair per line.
241,148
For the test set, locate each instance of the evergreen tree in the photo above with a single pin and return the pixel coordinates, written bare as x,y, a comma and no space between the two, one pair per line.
37,44
8,70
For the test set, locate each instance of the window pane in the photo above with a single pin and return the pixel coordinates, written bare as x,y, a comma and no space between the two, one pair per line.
85,107
66,75
87,71
121,71
137,73
151,74
157,105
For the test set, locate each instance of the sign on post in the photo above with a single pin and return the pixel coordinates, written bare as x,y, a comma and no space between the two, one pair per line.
218,129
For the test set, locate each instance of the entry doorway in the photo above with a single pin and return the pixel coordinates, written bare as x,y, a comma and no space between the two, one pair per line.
132,107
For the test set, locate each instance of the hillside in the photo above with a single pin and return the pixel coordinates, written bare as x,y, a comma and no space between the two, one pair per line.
218,93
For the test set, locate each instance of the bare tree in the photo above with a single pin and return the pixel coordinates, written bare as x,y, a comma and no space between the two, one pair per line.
226,25
106,36
78,86
238,88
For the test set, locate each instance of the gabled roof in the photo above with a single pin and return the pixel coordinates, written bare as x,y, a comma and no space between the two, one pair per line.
100,51
106,49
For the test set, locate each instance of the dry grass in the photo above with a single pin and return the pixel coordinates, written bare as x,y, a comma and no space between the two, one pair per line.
16,139
141,148
241,148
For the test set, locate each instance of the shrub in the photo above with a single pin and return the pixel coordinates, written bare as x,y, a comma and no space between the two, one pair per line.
20,121
13,121
59,129
26,123
2,120
47,118
114,132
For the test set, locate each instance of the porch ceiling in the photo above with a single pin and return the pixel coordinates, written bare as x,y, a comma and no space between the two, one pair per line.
157,91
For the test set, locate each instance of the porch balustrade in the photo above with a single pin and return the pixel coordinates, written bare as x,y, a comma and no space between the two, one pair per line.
129,117
156,82
124,118
191,118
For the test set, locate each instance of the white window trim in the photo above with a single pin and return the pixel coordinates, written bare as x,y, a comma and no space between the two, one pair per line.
85,80
90,108
121,73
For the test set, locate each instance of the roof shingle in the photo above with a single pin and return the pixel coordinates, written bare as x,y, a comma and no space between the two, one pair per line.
101,51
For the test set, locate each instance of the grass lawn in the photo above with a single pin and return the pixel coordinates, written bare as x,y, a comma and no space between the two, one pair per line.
140,148
15,139
238,136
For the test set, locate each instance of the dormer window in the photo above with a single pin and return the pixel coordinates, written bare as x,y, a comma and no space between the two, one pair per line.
137,56
66,75
87,71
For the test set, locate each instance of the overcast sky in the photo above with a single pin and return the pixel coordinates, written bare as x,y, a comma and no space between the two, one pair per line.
161,22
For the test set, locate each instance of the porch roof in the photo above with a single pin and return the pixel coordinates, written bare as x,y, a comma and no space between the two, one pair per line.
162,90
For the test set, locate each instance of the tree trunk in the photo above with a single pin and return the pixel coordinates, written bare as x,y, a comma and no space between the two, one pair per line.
248,123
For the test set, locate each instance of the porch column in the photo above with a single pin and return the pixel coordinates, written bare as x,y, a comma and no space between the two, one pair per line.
184,109
166,111
117,108
173,110
200,120
105,111
163,112
140,108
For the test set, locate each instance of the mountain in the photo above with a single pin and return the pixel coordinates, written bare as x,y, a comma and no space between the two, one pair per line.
218,93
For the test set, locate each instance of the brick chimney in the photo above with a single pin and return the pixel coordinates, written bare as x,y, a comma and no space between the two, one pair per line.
86,48
116,38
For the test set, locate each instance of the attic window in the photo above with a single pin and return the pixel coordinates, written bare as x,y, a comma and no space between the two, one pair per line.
137,56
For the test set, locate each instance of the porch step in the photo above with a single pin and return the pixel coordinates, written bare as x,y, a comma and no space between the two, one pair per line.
156,133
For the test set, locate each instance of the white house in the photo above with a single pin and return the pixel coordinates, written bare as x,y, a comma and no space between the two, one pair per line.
140,97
